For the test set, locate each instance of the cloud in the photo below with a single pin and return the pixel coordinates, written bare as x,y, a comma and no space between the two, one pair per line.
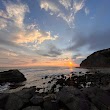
49,5
87,11
67,14
34,60
7,44
15,13
17,35
99,40
52,51
77,42
65,3
3,23
36,36
94,41
76,56
78,5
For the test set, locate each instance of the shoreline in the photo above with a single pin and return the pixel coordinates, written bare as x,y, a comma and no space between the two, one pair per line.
77,89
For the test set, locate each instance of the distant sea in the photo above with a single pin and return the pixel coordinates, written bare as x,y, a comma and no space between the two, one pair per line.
36,76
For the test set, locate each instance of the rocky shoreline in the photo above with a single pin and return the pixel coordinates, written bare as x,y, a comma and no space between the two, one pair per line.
77,92
69,98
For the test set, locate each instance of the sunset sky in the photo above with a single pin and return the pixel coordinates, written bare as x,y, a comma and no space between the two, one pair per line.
52,32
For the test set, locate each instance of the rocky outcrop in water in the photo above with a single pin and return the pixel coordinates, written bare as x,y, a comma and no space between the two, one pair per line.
12,76
97,59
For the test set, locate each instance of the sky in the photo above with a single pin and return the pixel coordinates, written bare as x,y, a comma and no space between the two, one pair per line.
52,32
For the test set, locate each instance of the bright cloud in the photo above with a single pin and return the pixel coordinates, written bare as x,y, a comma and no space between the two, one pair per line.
49,5
66,3
14,13
17,13
16,33
36,36
78,5
67,14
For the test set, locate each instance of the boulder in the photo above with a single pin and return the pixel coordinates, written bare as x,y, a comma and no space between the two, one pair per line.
14,102
50,105
100,98
26,93
3,100
13,76
36,100
33,108
17,100
74,99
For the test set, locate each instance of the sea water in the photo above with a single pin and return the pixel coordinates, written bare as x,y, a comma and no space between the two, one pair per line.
36,76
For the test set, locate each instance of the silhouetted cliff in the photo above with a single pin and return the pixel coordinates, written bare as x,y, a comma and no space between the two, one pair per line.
97,59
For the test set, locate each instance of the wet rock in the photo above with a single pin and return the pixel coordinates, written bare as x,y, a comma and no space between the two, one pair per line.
46,77
12,76
62,76
80,72
61,82
33,108
49,82
36,100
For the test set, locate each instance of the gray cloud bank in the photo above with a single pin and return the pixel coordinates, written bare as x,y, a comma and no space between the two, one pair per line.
50,51
95,41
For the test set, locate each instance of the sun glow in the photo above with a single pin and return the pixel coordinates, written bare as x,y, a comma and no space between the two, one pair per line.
72,65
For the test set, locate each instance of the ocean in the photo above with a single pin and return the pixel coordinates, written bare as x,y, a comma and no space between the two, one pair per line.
36,76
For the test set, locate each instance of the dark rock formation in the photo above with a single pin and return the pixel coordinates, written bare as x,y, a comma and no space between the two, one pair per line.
99,97
51,105
97,59
36,100
74,99
69,98
3,99
13,76
19,99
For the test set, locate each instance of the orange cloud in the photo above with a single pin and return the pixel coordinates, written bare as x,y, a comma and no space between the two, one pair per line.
35,35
